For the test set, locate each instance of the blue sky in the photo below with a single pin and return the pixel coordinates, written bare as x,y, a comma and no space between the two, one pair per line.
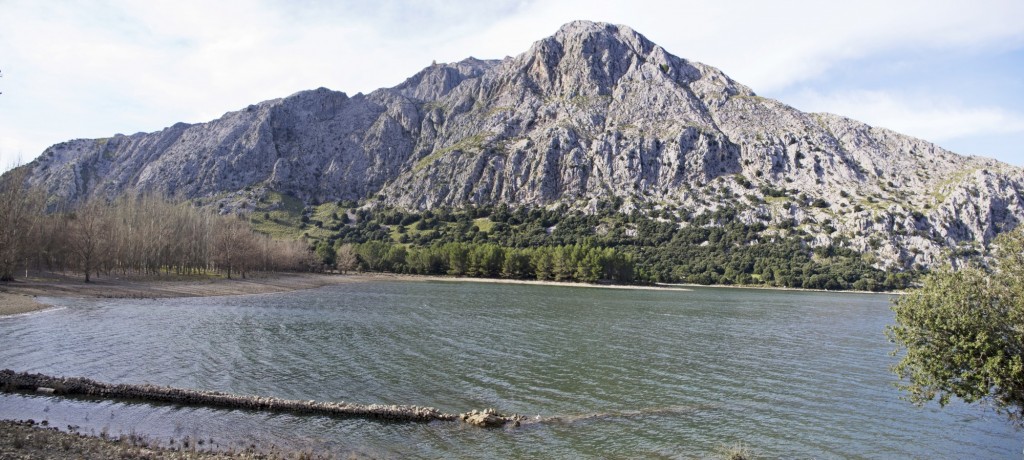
949,72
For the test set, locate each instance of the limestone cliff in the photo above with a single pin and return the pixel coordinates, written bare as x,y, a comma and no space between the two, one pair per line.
593,112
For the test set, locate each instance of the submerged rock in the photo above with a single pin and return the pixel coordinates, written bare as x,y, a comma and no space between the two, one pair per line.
489,418
79,386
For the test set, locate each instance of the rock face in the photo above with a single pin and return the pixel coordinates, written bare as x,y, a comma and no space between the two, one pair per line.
593,112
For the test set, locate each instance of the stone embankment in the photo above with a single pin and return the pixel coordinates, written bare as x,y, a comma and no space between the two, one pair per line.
11,381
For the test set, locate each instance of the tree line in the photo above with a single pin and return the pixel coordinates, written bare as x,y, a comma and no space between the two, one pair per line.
132,235
578,262
714,247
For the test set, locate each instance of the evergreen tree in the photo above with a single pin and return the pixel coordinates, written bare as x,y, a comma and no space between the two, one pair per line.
963,334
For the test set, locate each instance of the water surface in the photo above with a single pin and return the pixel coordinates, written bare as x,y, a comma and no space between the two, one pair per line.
610,373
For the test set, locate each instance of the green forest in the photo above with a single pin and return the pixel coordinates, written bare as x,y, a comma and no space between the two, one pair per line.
603,246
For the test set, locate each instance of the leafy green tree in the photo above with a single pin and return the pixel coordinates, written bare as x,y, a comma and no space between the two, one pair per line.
458,259
563,265
963,334
488,260
590,266
543,264
395,260
373,255
516,264
325,253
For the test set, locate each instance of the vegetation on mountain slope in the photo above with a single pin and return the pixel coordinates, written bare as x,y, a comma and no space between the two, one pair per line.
608,245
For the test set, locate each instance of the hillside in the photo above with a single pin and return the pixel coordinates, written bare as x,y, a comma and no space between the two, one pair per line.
592,113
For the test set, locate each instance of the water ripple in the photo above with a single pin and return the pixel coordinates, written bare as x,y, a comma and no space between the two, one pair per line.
608,373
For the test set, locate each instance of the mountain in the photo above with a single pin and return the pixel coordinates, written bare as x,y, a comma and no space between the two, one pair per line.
594,112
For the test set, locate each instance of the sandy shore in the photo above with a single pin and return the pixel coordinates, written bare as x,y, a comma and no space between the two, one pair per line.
654,287
17,296
774,288
461,279
13,304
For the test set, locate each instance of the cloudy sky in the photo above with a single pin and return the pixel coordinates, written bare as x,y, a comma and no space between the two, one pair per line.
951,72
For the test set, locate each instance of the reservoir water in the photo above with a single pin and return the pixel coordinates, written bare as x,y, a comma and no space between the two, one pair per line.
604,372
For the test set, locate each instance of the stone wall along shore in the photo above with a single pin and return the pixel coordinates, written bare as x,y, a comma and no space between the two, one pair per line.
12,381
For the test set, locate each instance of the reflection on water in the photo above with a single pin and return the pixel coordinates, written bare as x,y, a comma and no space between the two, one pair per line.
598,372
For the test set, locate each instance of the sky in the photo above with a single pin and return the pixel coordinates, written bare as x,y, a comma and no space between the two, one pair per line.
951,72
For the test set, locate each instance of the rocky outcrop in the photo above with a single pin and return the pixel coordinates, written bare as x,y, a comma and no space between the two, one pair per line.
78,386
490,418
592,112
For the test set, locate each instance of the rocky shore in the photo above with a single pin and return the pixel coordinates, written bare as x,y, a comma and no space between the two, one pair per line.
12,381
31,440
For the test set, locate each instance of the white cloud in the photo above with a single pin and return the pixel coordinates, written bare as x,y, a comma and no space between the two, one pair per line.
926,117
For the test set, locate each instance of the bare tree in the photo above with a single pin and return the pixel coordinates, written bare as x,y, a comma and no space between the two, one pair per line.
88,236
234,246
346,258
136,234
20,209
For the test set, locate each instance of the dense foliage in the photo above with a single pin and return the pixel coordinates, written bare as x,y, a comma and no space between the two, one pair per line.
963,333
578,262
711,248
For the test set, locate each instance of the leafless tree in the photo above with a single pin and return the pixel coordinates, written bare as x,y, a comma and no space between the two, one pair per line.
346,258
234,247
136,234
20,209
88,236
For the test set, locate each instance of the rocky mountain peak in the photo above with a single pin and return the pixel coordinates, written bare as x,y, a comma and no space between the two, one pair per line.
591,57
438,80
594,112
599,38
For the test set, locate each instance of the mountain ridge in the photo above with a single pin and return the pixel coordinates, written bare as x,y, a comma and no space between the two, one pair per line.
594,111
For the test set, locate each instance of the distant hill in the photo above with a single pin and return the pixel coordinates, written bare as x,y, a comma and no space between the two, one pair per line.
592,113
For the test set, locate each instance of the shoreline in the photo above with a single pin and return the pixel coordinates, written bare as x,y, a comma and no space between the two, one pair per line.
19,304
681,287
777,288
31,439
466,279
21,296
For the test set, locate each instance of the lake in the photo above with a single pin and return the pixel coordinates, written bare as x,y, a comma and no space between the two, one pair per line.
602,372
